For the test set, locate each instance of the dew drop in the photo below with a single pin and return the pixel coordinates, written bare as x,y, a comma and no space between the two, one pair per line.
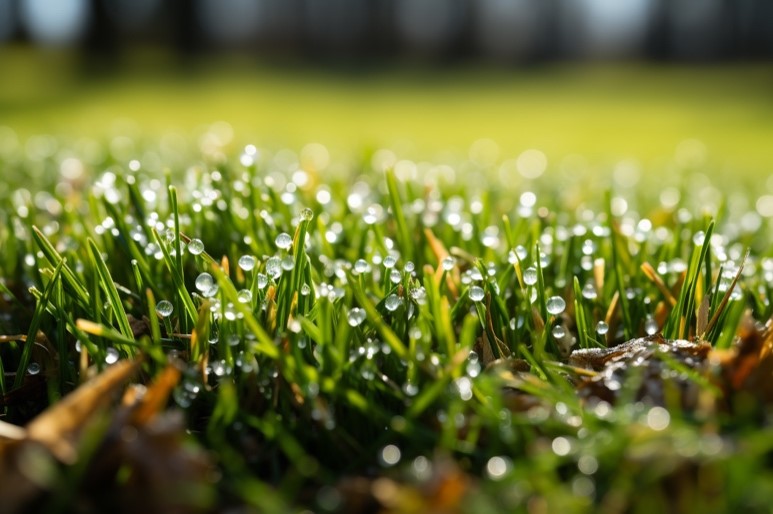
650,326
589,292
283,241
288,263
410,389
244,296
212,291
195,247
247,262
274,267
559,331
419,294
262,280
164,308
392,302
219,368
111,356
530,276
361,266
602,328
204,282
555,305
464,387
307,214
33,368
476,293
395,276
305,290
356,316
389,261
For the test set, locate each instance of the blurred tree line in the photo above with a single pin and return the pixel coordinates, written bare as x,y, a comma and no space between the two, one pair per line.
507,31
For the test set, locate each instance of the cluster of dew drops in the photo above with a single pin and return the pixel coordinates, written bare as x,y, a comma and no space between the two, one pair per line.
454,212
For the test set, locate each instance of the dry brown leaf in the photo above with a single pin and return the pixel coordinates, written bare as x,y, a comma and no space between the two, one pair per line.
57,425
156,397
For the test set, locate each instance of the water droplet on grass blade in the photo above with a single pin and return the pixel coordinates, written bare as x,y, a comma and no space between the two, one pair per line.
247,262
448,263
589,292
111,356
555,305
464,386
356,316
244,296
288,263
196,247
602,328
219,368
283,241
530,276
410,389
164,308
419,294
274,267
307,214
558,331
204,282
392,302
305,290
262,280
33,368
389,261
361,266
650,326
476,293
395,276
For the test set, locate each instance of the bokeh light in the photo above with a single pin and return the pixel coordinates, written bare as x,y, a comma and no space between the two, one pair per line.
55,22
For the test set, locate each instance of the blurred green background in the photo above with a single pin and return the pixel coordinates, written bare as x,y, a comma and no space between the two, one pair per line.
661,82
605,112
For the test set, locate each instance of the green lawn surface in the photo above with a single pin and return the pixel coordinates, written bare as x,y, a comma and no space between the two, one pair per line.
605,112
191,325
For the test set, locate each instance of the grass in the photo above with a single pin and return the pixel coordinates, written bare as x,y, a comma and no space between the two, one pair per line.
386,342
197,323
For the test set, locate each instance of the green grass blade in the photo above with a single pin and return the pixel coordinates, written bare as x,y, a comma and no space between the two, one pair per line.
182,293
108,286
403,233
81,294
376,320
264,343
35,322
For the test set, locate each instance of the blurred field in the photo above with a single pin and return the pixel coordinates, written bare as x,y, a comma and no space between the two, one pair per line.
604,112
